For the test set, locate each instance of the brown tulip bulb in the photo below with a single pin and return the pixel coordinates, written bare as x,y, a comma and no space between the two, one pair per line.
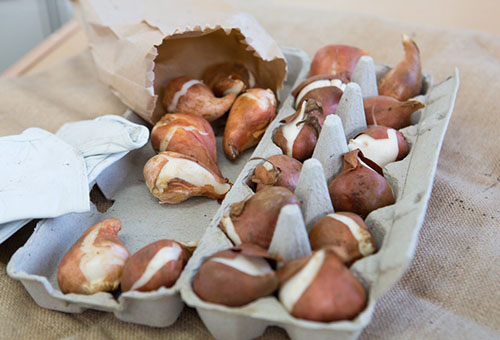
186,134
405,80
228,77
158,264
345,233
320,288
236,276
324,89
339,60
390,112
248,119
381,145
94,263
254,219
298,136
277,170
173,178
191,96
360,187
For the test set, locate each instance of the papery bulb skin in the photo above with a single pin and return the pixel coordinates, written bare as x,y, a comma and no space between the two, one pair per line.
277,170
250,115
173,178
236,276
339,60
360,187
390,112
186,134
405,80
254,220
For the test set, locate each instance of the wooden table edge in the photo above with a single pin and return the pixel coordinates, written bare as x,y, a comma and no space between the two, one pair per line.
27,62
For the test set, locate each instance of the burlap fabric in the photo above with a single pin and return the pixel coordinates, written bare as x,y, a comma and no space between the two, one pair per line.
451,288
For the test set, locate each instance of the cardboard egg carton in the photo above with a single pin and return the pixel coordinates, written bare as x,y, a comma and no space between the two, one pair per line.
395,228
144,221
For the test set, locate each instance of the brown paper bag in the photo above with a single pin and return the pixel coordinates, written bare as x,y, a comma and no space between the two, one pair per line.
139,46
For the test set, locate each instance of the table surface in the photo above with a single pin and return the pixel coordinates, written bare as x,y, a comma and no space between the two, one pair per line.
451,289
70,40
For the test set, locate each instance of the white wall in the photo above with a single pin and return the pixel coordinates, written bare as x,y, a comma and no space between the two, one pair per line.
25,23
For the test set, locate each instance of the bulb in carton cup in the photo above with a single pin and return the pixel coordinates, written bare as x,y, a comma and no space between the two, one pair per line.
336,60
236,276
405,80
325,89
390,112
320,288
380,144
345,233
159,264
254,219
360,187
299,134
94,263
277,170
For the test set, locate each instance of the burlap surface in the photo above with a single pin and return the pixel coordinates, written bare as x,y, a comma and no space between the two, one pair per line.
451,290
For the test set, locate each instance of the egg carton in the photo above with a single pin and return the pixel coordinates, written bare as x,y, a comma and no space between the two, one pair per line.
395,228
144,221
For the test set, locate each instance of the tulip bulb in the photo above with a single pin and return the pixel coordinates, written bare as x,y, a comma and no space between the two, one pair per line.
228,77
158,264
360,187
248,119
277,170
320,288
381,145
405,80
390,112
254,219
345,233
191,96
236,276
186,134
298,136
173,178
324,89
338,60
94,263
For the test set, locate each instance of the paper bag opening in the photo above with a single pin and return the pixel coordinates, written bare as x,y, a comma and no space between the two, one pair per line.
138,51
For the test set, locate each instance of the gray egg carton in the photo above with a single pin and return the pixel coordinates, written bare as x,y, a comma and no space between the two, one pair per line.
395,228
144,221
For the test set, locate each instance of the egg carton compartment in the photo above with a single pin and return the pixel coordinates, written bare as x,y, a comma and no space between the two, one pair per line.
395,228
144,221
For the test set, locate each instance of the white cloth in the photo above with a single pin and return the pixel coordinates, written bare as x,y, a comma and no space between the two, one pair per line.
40,176
103,141
44,175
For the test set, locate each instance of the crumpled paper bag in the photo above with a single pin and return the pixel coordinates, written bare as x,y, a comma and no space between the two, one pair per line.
139,46
45,175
